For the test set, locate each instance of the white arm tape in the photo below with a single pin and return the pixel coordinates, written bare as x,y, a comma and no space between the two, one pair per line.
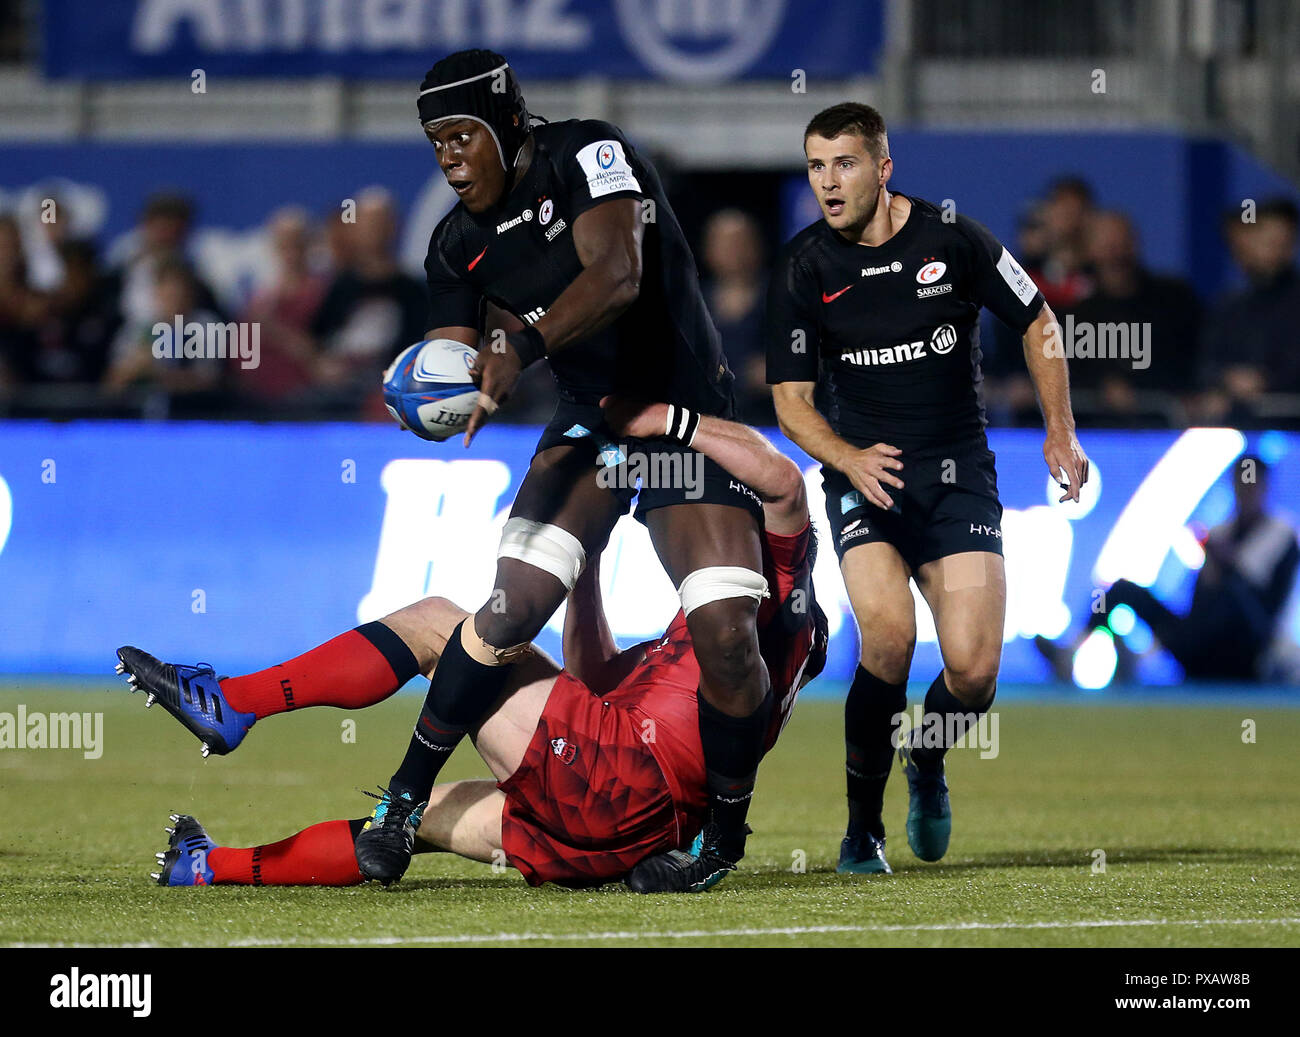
549,548
718,582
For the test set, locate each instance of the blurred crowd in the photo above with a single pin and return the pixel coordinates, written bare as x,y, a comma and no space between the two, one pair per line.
77,330
335,305
1233,360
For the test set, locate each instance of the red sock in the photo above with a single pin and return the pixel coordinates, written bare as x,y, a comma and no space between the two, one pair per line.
322,855
354,670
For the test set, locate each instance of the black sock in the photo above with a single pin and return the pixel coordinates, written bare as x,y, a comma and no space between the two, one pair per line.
460,692
732,748
942,710
870,713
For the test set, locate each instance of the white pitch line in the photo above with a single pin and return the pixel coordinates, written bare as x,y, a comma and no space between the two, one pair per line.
798,930
694,934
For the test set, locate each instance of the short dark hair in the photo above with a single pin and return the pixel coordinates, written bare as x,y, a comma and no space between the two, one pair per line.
79,252
852,117
176,266
1279,209
1071,184
1272,208
170,204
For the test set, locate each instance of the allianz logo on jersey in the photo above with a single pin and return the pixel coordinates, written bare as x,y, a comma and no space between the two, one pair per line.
942,340
889,268
524,217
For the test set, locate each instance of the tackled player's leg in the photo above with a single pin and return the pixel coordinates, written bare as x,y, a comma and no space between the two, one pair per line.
461,817
354,670
561,515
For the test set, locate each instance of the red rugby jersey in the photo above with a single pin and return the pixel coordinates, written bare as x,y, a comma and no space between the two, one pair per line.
791,635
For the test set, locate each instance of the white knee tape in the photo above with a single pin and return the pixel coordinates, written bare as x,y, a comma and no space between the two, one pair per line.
547,547
718,582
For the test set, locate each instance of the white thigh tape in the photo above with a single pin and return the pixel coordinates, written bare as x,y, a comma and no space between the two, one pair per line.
547,547
718,582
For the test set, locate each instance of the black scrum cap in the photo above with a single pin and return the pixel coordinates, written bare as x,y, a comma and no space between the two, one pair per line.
478,85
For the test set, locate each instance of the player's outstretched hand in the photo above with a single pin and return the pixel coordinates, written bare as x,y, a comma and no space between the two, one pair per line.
495,372
870,470
628,417
1066,461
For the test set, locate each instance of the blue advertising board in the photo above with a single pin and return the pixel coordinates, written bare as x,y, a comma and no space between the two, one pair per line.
243,544
676,40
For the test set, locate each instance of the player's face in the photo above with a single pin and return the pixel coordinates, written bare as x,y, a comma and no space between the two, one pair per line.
470,161
845,178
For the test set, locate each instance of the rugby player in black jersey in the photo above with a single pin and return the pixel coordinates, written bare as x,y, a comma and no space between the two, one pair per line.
567,228
874,360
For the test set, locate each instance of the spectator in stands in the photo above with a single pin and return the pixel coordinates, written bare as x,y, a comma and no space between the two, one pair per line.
172,385
77,335
21,307
1228,633
284,308
43,239
372,309
1066,212
734,290
1156,318
335,246
1254,335
162,234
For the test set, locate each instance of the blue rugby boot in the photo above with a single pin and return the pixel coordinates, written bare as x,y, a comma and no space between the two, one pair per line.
192,694
929,817
185,862
863,854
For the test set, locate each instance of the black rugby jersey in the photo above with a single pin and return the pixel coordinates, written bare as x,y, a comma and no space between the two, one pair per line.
520,255
891,333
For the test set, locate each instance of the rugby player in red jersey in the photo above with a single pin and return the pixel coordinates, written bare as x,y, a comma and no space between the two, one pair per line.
599,769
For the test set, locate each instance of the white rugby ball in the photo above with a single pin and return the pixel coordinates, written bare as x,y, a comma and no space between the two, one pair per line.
427,389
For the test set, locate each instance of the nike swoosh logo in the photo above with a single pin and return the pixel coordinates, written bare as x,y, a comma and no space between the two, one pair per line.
832,298
474,262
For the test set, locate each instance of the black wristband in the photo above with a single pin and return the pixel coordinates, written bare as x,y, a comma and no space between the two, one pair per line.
682,424
528,343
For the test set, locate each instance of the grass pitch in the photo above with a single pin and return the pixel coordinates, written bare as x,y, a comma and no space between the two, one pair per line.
1198,831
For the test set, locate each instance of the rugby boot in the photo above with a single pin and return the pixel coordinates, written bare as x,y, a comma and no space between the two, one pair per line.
192,694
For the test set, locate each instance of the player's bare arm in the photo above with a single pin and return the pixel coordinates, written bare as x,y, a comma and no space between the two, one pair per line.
744,452
590,652
869,469
608,242
608,239
1051,378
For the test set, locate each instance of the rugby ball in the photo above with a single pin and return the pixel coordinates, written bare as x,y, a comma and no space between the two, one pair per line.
427,389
